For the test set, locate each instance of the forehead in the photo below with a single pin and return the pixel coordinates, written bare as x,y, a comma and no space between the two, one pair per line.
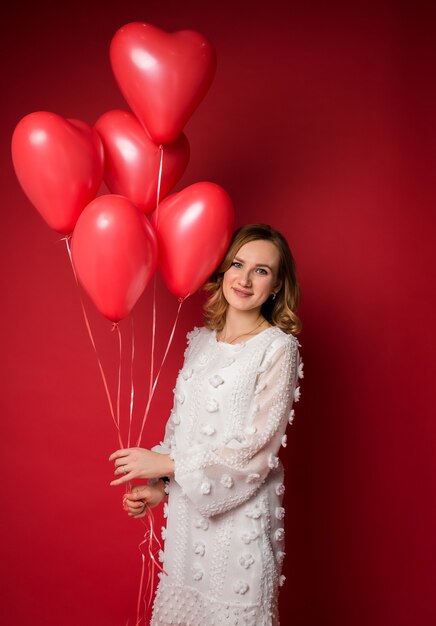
259,252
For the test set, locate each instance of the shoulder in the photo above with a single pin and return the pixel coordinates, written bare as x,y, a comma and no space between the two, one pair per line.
196,339
281,350
281,340
197,331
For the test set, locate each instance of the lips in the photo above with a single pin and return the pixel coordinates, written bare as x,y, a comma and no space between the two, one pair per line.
243,294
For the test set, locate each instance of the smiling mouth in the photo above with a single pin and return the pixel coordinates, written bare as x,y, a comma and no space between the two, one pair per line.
244,294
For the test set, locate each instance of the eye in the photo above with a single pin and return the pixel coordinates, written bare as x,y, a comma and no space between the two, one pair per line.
236,264
260,270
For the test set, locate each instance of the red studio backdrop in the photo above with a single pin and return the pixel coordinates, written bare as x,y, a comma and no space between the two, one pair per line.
320,121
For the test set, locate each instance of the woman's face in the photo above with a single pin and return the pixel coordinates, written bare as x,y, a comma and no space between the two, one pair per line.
252,276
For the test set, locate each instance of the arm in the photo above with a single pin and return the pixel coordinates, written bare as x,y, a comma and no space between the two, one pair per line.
133,463
157,462
217,480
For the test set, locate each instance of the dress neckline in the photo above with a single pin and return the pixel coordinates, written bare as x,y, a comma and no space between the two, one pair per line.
241,343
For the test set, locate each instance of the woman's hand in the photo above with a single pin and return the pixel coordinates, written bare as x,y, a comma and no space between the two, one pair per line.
140,463
145,495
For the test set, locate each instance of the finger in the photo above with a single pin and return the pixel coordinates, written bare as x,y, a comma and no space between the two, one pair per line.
136,511
138,488
119,453
135,505
121,469
122,480
122,461
141,494
136,515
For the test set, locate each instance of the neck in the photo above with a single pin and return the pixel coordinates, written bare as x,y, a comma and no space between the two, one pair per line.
238,322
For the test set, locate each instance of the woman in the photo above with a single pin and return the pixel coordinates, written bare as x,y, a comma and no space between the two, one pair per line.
224,541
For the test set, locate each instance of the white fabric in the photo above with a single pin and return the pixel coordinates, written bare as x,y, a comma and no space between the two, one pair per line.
224,541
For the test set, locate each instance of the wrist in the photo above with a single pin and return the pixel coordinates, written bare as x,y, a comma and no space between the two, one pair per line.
168,466
161,484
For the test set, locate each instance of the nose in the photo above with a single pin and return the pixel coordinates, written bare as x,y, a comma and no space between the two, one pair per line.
245,279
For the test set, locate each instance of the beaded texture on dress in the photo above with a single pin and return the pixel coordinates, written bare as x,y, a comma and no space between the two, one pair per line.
224,540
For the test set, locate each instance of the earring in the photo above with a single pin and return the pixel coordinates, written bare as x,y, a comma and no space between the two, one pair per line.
273,295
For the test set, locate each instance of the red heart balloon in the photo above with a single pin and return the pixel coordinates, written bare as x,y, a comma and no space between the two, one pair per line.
132,159
114,252
163,76
194,228
59,164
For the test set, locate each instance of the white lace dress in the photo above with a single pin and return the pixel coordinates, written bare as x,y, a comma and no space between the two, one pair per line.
224,540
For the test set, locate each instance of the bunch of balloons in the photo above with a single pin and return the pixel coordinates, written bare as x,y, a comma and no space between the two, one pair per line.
60,164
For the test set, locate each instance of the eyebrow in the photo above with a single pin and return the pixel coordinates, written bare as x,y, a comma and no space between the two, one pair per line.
237,258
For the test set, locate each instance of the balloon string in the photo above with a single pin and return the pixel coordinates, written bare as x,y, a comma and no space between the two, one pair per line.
153,389
150,534
141,584
149,537
132,388
117,328
91,337
153,333
159,180
153,338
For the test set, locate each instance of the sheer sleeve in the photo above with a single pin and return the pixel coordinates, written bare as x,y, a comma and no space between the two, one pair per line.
221,478
165,446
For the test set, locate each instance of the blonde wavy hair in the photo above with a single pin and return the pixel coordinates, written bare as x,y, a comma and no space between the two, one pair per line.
280,311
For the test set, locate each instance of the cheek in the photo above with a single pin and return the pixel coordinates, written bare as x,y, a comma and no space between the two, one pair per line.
265,284
266,288
226,283
229,277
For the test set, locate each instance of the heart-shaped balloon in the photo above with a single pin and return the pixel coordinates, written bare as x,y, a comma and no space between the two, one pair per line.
59,164
114,252
163,76
132,160
194,228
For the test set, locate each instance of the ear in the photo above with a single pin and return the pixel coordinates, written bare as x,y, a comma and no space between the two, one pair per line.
278,285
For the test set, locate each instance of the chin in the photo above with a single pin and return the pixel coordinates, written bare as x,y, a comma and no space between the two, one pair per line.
245,306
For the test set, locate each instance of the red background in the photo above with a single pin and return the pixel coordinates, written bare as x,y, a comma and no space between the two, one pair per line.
319,121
